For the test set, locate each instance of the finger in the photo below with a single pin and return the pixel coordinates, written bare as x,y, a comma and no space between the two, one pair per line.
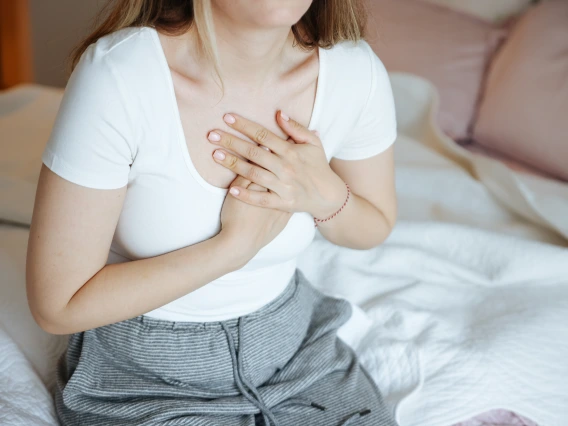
244,148
297,131
257,133
254,187
256,198
241,181
248,170
245,183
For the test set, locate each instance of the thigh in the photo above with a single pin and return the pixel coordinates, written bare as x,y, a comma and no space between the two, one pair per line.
349,397
324,384
89,393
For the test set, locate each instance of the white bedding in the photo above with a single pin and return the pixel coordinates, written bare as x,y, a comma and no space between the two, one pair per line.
468,297
24,399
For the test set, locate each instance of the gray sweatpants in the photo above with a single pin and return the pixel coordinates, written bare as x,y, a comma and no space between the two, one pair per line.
280,365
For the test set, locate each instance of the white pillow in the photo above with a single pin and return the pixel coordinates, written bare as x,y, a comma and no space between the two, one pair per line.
491,10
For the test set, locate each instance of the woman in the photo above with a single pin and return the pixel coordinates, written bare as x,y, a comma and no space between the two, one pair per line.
182,298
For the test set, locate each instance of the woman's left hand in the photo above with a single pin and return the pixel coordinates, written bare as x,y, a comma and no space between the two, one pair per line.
295,171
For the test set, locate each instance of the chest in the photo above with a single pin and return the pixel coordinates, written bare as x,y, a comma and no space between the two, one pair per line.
176,191
199,114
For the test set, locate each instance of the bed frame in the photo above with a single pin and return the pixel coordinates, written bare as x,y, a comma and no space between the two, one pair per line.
15,43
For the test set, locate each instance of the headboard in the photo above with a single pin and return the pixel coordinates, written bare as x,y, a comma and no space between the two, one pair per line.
15,43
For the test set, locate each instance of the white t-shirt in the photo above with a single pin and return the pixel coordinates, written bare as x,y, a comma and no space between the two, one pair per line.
119,124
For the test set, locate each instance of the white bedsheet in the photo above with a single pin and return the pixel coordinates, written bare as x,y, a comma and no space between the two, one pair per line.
468,297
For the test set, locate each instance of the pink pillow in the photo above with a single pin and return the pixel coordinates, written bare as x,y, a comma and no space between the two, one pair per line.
448,48
524,113
507,160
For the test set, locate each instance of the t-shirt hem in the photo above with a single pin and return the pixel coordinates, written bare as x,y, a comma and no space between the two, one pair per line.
367,152
80,177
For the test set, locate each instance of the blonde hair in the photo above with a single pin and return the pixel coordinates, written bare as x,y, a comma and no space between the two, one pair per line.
325,23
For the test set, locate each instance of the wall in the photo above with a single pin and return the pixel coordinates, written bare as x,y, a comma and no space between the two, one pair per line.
56,27
492,10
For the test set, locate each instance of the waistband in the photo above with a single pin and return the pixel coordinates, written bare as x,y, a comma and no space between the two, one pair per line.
289,293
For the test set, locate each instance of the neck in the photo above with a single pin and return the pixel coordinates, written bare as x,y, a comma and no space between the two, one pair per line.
248,56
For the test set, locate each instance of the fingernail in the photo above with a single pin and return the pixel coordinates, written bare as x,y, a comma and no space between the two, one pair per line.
265,148
284,116
215,137
317,133
229,118
235,191
219,154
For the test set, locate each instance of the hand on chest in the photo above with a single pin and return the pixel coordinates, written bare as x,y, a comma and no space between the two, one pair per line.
199,114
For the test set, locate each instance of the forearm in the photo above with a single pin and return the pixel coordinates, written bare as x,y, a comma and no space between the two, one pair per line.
125,290
360,225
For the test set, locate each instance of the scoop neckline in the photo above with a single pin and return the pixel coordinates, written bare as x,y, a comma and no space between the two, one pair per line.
182,142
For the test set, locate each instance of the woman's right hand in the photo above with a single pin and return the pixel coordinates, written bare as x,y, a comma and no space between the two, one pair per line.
250,227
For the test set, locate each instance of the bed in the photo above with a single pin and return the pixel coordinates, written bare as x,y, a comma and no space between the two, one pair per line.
464,307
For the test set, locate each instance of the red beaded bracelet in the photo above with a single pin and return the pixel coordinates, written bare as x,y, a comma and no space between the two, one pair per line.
316,221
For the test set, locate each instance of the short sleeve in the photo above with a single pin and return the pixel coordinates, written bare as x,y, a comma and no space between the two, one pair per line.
92,142
375,130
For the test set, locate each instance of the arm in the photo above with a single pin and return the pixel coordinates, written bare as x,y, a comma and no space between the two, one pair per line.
79,198
366,163
70,289
300,178
369,216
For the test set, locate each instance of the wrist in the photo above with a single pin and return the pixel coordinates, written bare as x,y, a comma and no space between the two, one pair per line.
332,199
235,254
